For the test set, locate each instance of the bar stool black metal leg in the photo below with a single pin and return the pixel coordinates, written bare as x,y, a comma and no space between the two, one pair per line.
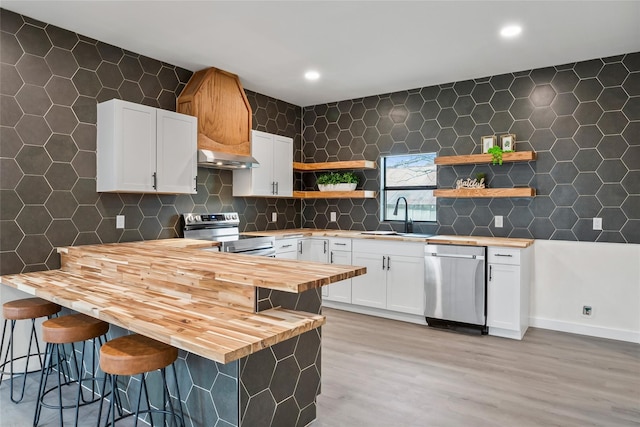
175,378
43,382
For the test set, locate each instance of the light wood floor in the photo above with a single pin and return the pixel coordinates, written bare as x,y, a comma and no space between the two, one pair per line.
378,372
383,373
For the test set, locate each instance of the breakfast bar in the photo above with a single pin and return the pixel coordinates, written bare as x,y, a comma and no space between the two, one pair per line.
247,326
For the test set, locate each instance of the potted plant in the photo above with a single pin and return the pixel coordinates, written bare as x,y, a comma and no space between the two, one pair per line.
337,181
496,154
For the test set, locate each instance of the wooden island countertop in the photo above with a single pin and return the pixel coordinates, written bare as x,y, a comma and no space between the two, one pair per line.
199,301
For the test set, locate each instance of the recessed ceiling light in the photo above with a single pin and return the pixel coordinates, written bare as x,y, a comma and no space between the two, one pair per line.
312,75
510,31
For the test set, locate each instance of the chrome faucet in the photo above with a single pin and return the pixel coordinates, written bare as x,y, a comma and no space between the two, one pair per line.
406,214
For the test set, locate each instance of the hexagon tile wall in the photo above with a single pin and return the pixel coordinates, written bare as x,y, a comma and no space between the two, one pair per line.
50,82
582,119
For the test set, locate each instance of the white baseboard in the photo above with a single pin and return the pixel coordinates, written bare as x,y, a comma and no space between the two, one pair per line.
393,315
580,329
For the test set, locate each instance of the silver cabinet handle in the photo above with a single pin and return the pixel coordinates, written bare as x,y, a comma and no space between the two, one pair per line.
505,255
490,266
300,246
155,180
286,246
384,267
325,246
340,244
273,187
277,189
388,263
195,183
331,261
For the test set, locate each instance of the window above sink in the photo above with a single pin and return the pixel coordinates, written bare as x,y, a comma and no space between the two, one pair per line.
412,176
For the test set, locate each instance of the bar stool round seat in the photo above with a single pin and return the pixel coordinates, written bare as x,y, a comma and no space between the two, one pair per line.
73,328
29,308
60,334
12,311
136,355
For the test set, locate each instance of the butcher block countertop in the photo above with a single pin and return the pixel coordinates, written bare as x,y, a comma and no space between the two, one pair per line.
195,300
439,239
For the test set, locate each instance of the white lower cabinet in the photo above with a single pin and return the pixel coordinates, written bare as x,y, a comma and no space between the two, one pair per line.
405,284
287,249
394,279
340,254
508,285
312,249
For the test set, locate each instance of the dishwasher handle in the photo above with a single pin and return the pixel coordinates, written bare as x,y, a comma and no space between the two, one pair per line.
435,254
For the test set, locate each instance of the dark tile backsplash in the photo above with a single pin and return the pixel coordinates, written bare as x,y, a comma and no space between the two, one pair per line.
50,82
582,119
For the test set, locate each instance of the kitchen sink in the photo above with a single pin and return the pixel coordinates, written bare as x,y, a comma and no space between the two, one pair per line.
416,235
396,234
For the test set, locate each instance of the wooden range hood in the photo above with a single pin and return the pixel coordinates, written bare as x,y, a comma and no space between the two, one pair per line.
217,99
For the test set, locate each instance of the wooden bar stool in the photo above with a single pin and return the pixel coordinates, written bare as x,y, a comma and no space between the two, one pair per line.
68,330
22,309
136,355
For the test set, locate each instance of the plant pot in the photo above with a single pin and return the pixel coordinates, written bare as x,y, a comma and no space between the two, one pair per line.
337,187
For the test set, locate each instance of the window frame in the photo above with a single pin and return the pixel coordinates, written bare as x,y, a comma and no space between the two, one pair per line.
384,188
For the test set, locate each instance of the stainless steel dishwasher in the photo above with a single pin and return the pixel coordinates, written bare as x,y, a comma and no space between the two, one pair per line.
455,287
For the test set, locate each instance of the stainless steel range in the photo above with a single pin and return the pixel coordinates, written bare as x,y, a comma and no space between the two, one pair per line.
224,228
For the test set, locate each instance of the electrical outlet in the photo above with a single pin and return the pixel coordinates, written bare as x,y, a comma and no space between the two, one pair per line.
587,310
274,216
119,221
498,221
597,223
332,215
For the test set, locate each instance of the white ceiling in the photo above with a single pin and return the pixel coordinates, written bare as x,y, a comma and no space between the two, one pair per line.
360,48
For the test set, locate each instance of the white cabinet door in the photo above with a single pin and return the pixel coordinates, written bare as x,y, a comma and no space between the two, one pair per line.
126,147
370,289
177,168
283,165
142,149
503,297
274,176
316,250
405,284
339,291
262,176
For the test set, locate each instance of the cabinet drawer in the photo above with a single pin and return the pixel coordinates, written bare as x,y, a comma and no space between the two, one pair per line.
503,256
385,247
286,245
340,244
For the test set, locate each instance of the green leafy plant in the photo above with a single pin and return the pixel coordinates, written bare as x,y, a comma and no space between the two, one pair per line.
496,154
338,178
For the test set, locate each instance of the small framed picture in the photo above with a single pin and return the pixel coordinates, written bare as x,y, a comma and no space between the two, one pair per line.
488,142
508,142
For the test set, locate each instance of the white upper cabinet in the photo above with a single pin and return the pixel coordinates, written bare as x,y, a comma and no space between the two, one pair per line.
274,176
142,149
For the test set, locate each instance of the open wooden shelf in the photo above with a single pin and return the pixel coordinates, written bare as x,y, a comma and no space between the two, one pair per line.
486,192
327,166
518,156
357,194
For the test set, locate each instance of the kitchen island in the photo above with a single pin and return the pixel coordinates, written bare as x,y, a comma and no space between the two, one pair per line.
248,326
